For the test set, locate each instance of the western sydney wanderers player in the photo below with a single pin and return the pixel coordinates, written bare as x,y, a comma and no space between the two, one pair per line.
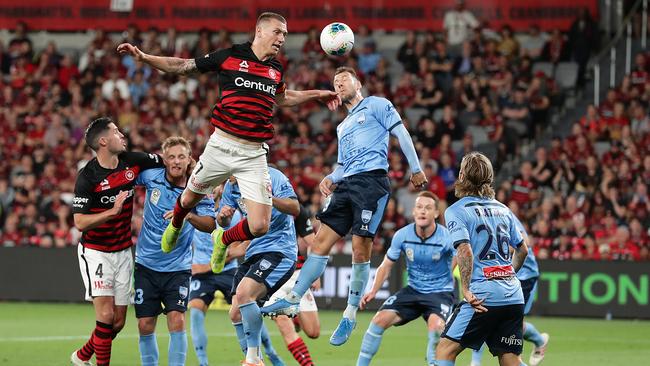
102,208
250,81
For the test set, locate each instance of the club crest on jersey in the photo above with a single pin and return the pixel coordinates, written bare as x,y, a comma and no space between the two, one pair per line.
129,174
435,256
265,264
105,184
409,254
183,291
155,196
366,215
272,73
243,66
361,119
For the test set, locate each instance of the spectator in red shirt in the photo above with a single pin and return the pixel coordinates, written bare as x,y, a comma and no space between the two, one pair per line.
524,185
622,248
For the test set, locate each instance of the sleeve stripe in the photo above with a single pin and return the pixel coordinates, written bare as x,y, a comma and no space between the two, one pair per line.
394,260
457,243
395,125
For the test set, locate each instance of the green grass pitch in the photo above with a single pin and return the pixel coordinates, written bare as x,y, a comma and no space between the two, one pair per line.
46,334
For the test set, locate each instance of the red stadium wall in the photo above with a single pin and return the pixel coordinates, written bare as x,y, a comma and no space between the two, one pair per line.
190,15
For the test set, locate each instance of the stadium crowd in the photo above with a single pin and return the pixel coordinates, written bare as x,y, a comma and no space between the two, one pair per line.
579,202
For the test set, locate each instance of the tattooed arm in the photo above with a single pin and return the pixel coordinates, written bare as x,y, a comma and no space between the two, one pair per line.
465,260
173,65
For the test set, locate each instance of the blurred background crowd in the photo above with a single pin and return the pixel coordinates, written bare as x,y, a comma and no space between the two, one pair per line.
579,182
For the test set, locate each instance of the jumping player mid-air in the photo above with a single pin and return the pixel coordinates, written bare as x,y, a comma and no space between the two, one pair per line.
250,82
358,192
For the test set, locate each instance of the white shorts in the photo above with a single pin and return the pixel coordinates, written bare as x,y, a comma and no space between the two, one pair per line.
107,274
224,157
307,303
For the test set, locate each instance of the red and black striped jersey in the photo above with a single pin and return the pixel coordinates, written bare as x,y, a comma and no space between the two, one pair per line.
248,87
96,190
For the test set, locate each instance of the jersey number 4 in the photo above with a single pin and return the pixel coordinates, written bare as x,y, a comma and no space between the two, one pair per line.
502,239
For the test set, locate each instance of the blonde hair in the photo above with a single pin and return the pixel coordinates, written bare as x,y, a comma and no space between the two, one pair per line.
476,176
174,141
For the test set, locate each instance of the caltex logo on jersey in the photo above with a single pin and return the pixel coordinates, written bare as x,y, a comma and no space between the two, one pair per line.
243,66
129,174
272,73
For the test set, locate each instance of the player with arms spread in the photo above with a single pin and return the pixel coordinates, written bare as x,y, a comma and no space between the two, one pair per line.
483,230
102,208
250,82
430,291
358,201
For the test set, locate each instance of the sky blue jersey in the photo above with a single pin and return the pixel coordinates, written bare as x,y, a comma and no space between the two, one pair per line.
363,136
529,269
161,197
490,228
202,244
428,261
281,236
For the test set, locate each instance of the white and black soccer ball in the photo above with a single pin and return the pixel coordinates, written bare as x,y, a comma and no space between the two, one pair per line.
337,39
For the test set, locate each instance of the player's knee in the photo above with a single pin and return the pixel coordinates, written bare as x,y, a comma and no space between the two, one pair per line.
146,326
235,315
258,228
383,320
312,332
106,315
447,349
176,321
360,255
243,297
118,325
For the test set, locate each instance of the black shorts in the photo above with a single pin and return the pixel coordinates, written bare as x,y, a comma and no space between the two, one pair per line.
204,285
410,304
160,292
357,203
500,328
271,269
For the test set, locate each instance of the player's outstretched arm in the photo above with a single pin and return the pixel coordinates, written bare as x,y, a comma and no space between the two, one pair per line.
383,272
520,256
465,259
292,98
173,65
406,144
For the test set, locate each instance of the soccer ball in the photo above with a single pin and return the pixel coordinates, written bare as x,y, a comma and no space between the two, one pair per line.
337,39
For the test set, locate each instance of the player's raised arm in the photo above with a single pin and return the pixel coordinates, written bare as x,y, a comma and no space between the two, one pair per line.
383,272
292,98
406,144
173,65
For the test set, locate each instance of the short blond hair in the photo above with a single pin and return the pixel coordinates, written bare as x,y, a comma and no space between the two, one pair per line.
268,15
476,176
175,141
